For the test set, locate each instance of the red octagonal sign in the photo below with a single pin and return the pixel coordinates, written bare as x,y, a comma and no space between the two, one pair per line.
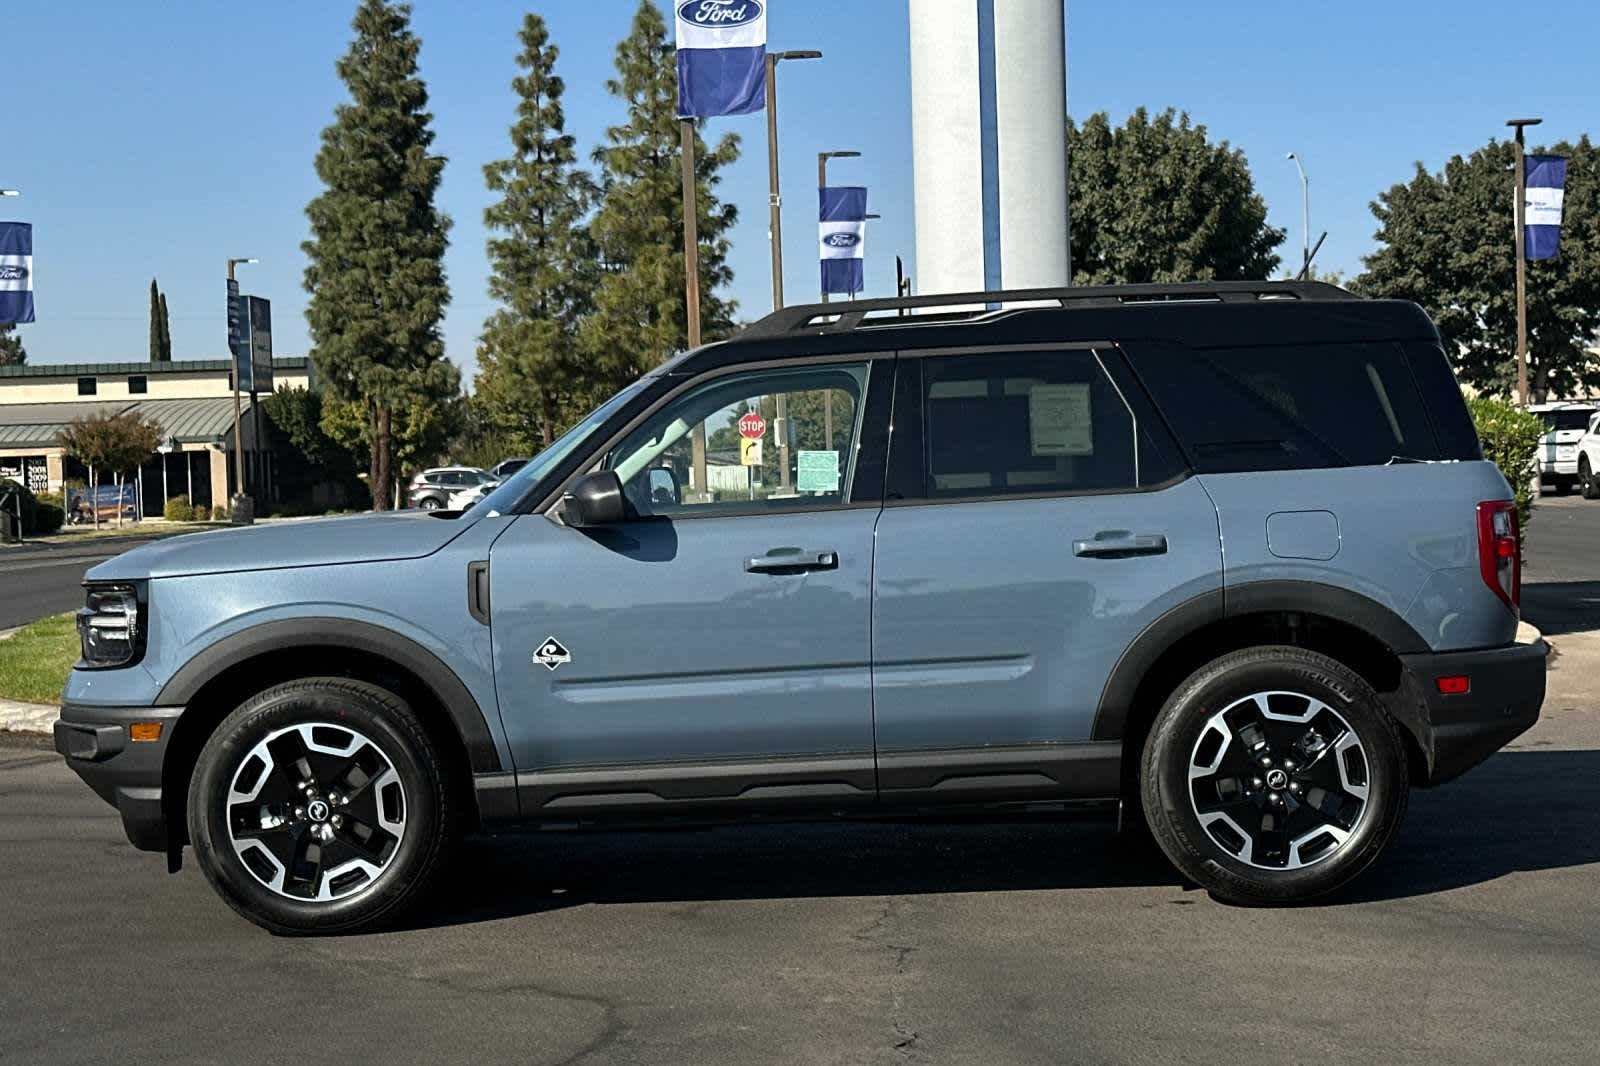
752,426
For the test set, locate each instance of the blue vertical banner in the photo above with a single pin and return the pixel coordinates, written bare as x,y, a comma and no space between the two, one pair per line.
842,239
16,272
722,57
1541,212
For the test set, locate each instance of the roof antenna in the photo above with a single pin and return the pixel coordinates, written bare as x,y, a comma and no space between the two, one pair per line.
1305,271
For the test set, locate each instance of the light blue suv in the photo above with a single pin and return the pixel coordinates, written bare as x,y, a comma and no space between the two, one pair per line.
1227,556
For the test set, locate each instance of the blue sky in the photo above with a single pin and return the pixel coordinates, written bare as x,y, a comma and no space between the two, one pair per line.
158,139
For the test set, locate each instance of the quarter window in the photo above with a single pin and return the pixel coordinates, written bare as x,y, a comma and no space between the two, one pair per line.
767,440
86,386
138,384
1013,424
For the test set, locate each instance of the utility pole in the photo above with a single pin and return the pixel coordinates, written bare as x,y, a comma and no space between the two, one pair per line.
691,282
780,426
1522,262
238,434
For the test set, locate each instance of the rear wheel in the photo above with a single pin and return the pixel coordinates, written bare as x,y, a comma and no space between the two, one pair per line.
1273,775
321,806
430,503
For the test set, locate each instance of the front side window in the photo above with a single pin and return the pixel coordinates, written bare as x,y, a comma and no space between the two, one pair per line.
1011,424
755,440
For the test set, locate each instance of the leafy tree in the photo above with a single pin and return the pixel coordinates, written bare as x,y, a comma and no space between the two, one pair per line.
1155,201
639,318
160,326
1448,242
529,381
376,273
312,456
1510,439
117,444
12,353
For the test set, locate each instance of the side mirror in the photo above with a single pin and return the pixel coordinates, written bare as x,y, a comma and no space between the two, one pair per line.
664,489
596,500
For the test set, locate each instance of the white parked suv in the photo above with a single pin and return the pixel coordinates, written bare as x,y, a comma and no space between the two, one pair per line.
1587,461
1565,425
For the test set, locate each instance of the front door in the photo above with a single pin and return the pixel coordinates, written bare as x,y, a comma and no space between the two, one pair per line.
716,646
1035,524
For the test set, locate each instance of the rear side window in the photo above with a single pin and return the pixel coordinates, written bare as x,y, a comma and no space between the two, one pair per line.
1029,423
1288,407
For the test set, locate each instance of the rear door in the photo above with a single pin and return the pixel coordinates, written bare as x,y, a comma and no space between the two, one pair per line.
1037,519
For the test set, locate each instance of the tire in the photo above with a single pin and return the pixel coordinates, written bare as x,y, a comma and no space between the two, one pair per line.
325,861
430,503
1214,832
1586,478
1563,488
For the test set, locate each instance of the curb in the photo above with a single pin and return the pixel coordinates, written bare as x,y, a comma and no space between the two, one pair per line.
27,717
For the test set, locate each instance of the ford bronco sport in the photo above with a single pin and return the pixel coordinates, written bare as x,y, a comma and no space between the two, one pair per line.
1228,555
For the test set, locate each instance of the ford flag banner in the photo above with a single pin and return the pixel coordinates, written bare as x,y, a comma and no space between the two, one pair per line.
722,57
842,238
1541,213
16,272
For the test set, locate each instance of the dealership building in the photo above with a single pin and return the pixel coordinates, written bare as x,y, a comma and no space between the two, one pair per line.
191,400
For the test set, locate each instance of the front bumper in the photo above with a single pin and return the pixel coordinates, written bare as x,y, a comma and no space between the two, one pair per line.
124,772
1457,732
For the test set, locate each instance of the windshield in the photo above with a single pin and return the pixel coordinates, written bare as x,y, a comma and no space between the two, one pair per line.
1569,418
516,486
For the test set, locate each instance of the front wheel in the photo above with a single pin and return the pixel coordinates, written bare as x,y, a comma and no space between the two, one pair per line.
321,806
1586,478
1273,775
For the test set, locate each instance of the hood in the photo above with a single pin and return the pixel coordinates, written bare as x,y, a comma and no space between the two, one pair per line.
367,538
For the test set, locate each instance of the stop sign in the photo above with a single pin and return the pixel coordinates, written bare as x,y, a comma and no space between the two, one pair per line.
752,425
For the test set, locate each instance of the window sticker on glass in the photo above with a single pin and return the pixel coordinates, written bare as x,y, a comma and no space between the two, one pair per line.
1059,421
818,472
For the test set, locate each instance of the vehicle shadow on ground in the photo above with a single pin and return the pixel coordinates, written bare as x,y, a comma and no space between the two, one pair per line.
1522,810
1558,607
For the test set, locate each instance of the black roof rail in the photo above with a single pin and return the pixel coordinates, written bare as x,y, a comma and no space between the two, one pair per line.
976,306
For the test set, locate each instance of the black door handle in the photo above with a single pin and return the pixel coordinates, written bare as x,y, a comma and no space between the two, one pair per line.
791,561
1117,543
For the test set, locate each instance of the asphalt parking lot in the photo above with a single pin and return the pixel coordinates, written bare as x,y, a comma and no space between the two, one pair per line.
1476,939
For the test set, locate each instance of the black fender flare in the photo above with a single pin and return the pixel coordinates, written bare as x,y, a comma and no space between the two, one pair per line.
1237,601
447,688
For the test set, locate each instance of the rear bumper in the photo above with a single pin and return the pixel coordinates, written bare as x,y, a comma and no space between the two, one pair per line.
1457,732
125,773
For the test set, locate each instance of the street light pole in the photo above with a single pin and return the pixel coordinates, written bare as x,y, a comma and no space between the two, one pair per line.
822,175
1522,264
775,234
238,436
774,190
1305,216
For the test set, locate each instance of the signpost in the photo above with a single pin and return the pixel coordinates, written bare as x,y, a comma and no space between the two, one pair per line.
242,506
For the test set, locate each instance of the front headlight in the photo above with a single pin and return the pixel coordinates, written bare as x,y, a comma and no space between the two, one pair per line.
110,626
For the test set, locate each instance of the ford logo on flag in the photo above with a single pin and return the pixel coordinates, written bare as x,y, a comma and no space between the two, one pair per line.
720,12
842,240
13,273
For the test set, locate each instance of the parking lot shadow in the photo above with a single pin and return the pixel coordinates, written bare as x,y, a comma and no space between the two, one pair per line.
1526,809
1558,607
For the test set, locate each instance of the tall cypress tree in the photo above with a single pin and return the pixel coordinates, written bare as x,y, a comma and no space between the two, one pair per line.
160,326
639,318
166,331
376,274
530,377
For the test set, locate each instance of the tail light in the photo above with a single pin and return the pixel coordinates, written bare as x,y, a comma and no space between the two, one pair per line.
1499,555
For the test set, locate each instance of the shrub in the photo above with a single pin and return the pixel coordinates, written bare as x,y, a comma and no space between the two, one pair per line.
202,513
1510,439
30,504
48,518
179,509
219,513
